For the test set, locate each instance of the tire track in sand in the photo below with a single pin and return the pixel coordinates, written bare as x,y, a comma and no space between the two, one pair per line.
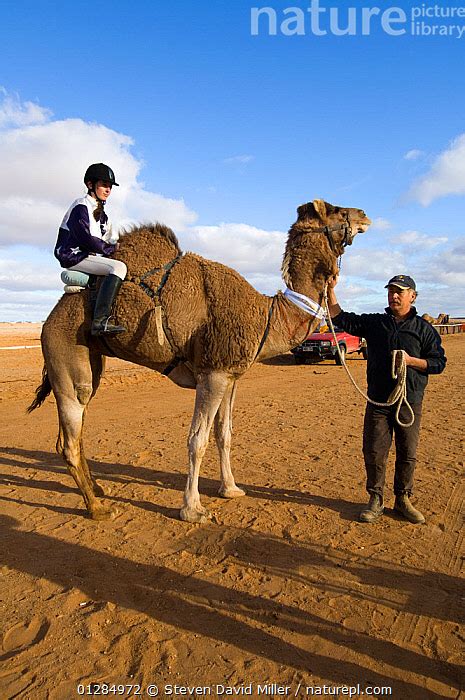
416,629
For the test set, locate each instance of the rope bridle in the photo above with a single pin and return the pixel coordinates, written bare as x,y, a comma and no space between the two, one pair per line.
348,234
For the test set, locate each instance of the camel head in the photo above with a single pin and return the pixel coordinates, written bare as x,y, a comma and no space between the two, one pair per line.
318,238
343,223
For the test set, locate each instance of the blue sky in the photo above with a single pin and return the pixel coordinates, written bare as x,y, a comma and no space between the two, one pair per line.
222,134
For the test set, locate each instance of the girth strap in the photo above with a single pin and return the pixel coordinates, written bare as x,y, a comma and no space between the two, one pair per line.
267,328
155,294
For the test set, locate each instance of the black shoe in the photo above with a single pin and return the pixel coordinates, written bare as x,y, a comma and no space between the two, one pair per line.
403,506
373,510
107,292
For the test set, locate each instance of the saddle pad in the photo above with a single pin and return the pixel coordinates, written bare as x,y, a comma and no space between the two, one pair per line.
73,278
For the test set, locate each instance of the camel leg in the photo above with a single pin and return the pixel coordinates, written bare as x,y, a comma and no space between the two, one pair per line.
223,431
97,363
210,391
75,380
97,366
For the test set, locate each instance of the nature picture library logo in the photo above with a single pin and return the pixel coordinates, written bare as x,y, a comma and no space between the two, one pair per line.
317,19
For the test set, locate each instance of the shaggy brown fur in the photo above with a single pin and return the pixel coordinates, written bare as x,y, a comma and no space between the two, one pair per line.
146,246
214,320
210,329
307,250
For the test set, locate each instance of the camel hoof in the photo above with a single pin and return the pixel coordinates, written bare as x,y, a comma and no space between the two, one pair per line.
103,512
234,492
97,490
193,515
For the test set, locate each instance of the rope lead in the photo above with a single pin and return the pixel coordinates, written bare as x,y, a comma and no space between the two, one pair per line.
398,371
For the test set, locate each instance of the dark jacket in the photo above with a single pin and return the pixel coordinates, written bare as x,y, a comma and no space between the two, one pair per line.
80,235
383,335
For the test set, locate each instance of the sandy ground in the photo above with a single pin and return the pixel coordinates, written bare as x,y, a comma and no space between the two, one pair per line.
283,586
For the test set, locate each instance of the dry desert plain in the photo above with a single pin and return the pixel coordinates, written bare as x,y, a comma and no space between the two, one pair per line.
281,587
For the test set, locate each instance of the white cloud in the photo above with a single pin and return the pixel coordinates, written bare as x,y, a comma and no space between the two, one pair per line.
380,224
241,160
414,154
415,241
360,297
379,264
30,221
363,276
47,160
28,269
266,283
446,176
27,306
449,269
249,250
15,113
440,278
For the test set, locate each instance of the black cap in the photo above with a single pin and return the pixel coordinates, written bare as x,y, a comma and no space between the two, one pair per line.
100,171
403,282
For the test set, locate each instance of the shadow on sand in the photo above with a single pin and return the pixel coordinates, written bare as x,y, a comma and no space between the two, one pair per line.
215,611
127,473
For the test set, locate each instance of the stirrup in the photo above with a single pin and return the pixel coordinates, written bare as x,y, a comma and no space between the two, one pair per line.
104,327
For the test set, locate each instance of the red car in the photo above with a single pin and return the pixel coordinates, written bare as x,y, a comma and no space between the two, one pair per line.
321,346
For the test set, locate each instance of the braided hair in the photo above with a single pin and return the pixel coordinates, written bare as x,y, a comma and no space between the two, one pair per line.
98,211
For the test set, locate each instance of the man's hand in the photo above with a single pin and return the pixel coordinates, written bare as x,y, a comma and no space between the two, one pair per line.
416,362
334,308
333,280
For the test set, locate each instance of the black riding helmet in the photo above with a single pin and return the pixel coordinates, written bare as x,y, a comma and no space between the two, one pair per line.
99,171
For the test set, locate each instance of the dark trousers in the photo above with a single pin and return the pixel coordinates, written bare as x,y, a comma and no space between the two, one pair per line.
378,428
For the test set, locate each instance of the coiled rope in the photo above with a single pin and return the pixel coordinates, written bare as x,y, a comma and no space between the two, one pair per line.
398,371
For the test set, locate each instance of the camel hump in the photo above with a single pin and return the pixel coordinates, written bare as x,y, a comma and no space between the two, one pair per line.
147,246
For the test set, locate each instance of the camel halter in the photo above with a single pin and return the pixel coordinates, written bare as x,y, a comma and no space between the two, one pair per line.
398,371
329,230
305,303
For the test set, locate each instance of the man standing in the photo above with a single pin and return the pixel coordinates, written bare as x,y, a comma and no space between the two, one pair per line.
399,328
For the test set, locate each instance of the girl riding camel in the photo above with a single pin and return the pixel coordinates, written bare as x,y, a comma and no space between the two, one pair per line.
86,240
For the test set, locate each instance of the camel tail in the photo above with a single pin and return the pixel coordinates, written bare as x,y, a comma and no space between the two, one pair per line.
42,392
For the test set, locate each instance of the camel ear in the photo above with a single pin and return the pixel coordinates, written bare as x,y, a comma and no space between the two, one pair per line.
305,211
320,208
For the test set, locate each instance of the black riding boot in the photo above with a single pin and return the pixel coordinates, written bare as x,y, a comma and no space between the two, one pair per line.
109,288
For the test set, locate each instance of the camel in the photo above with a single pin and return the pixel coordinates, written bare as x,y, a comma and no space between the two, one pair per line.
196,321
441,319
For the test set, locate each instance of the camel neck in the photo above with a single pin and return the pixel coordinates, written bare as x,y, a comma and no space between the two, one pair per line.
289,326
305,279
